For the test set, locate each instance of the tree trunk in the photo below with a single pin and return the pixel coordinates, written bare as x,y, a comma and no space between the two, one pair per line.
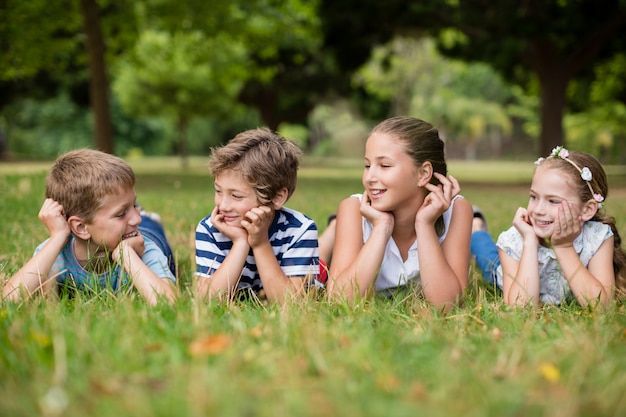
98,83
552,110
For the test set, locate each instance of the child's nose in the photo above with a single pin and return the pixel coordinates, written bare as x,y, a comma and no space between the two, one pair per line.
223,204
369,175
136,216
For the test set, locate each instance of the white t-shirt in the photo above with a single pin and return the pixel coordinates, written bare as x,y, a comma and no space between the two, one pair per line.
553,287
394,272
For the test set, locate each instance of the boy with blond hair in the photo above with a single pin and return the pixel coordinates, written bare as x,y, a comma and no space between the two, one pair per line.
250,242
95,241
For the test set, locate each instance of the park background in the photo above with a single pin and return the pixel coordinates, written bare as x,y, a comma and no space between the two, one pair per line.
159,82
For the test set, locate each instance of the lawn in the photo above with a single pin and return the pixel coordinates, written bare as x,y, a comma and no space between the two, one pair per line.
114,356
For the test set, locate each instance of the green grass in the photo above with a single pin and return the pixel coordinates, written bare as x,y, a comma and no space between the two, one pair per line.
114,356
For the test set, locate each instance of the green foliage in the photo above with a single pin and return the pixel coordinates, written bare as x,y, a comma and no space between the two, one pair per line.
466,101
38,36
181,75
43,129
545,44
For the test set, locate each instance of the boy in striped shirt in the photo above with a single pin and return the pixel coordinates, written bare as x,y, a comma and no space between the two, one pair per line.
251,243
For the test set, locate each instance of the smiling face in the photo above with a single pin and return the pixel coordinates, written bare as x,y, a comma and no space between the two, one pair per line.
390,176
117,219
234,197
549,188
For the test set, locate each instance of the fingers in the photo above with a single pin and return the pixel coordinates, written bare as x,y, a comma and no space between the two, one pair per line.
258,215
257,218
568,223
216,216
51,207
450,184
445,192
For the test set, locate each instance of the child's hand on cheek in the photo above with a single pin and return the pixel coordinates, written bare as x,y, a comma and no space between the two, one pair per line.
257,223
134,243
234,233
567,227
521,221
375,216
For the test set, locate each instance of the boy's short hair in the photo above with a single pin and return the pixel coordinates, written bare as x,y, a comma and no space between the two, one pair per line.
79,180
265,160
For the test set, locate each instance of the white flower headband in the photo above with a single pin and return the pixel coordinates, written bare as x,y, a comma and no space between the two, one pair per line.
585,173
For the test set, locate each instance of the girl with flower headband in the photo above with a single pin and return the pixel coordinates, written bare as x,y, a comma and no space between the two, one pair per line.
563,244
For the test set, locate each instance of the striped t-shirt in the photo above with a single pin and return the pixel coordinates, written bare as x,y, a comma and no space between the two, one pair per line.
292,235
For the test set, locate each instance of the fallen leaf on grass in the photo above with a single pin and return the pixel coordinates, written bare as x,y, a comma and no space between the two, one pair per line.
256,332
209,345
550,372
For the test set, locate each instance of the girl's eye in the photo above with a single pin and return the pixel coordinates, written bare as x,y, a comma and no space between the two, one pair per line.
237,197
122,214
555,202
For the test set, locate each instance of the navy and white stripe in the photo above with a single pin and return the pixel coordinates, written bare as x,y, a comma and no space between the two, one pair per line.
292,235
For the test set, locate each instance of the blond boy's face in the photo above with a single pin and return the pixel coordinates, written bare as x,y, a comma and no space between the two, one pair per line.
117,219
234,197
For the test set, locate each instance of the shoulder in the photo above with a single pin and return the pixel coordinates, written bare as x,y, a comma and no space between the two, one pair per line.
352,202
293,214
460,206
286,218
595,233
510,240
349,210
205,222
460,210
205,227
597,229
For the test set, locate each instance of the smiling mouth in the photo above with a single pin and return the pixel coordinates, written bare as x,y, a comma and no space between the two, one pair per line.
542,223
376,192
129,235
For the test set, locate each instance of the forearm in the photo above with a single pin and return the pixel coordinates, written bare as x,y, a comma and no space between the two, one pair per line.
34,275
358,277
441,285
224,280
523,284
276,284
150,286
585,287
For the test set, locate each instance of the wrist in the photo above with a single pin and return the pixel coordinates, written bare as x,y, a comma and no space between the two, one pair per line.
563,246
119,253
530,245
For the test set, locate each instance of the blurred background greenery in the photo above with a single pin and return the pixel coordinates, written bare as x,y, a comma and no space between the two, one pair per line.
501,80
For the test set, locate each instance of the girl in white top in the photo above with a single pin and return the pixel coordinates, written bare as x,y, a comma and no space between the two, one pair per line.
408,225
563,244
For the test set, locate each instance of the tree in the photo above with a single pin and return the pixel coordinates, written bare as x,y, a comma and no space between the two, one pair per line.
98,80
551,42
180,76
282,39
49,47
465,101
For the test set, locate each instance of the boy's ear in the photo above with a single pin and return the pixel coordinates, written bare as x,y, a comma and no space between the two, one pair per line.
280,199
590,208
424,174
78,227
